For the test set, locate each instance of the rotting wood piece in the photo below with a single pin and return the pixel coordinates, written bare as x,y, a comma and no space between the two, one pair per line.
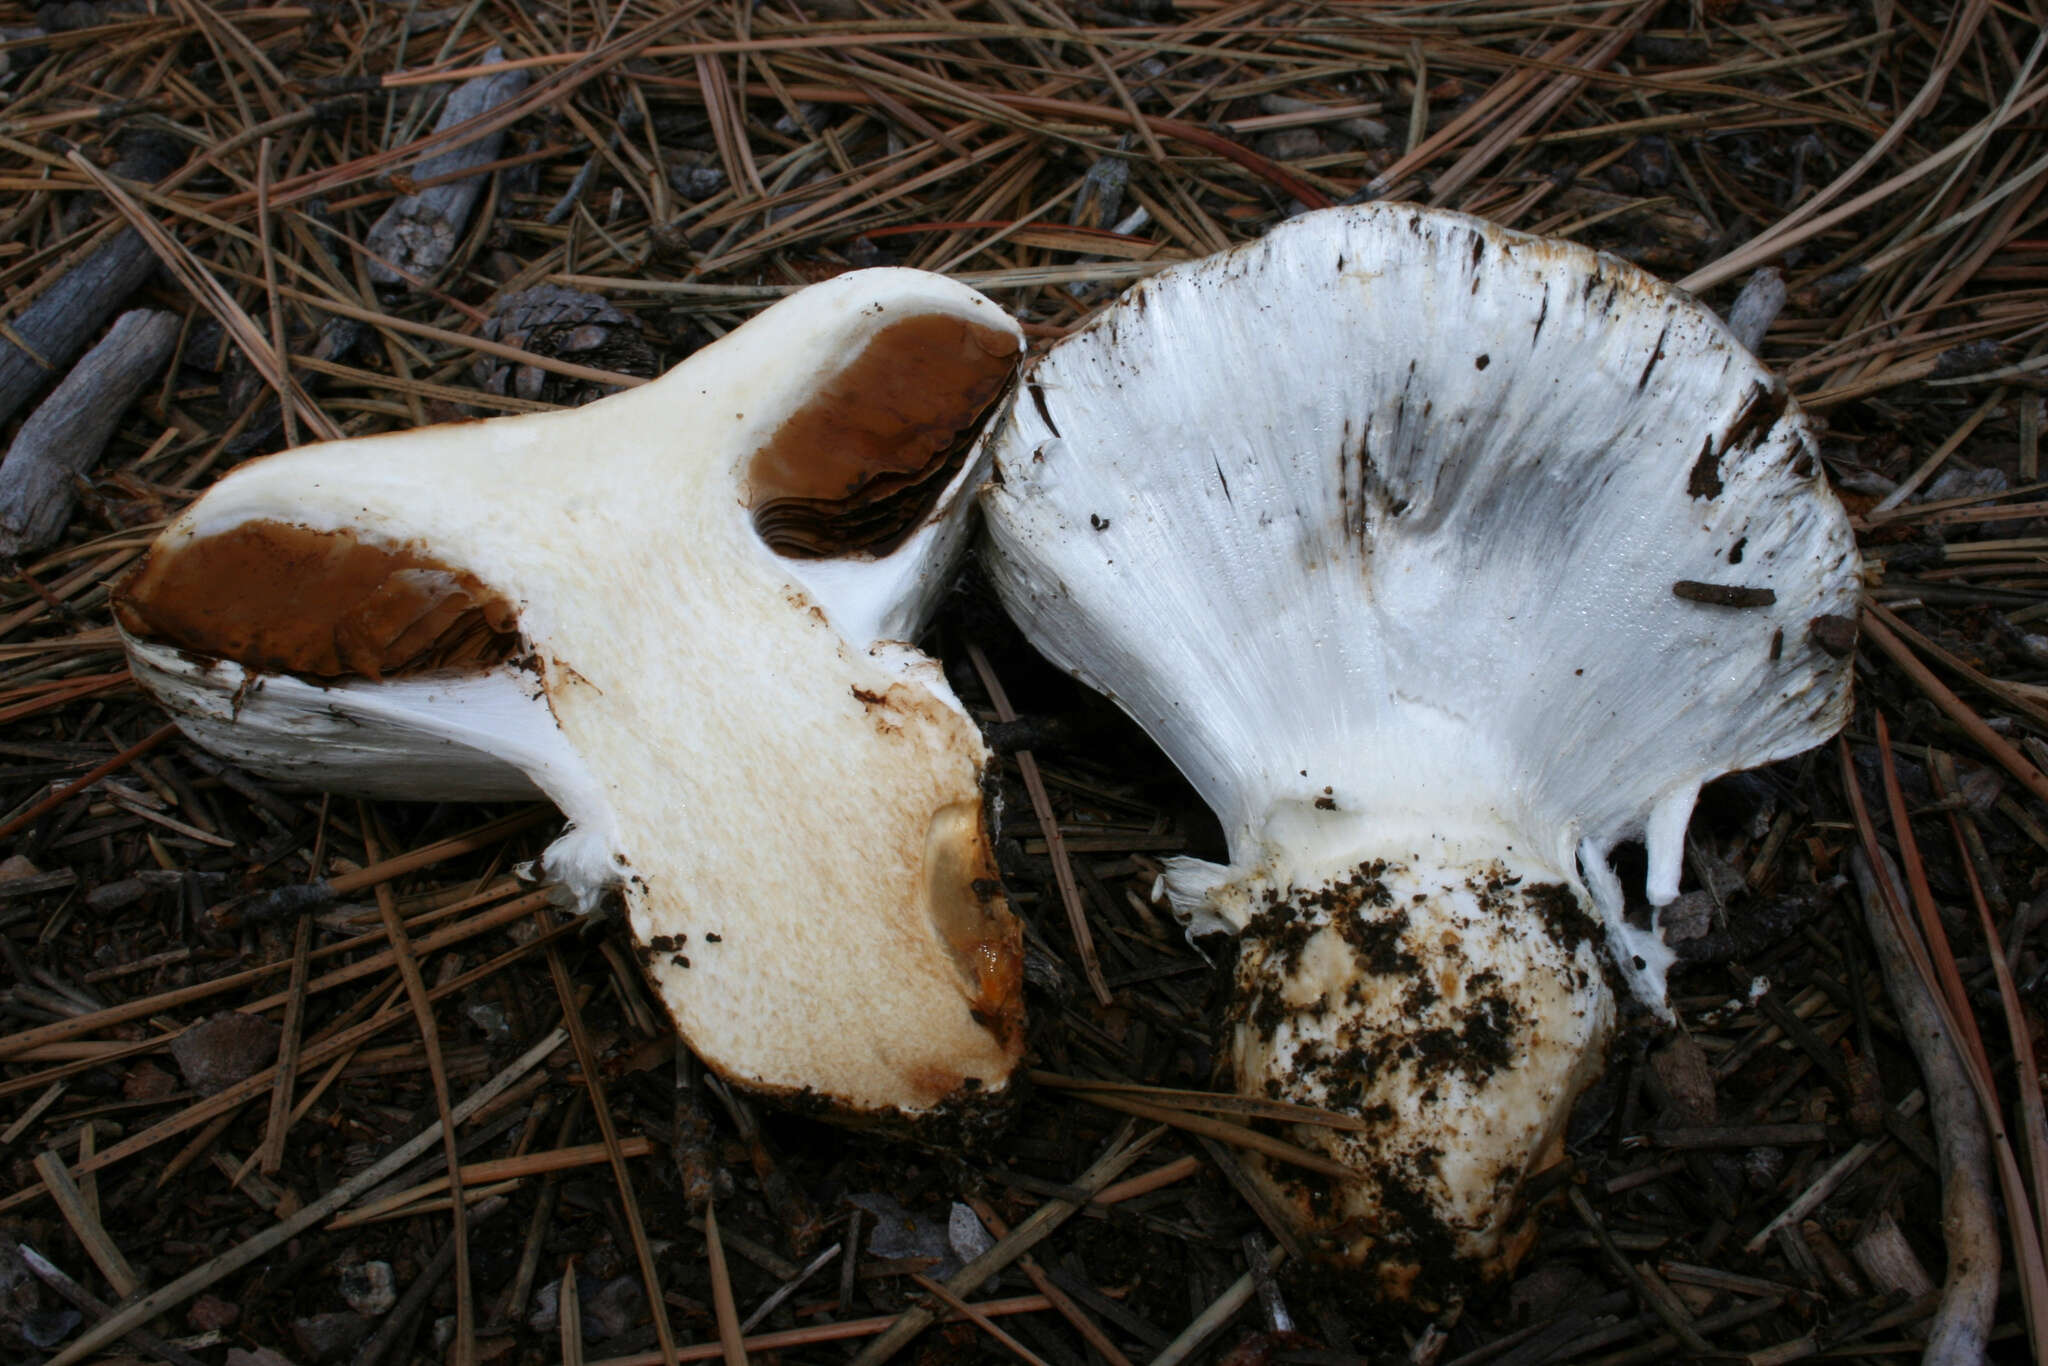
418,234
66,433
1969,1296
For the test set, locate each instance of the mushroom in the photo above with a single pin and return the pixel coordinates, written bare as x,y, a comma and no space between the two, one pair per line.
1441,559
681,614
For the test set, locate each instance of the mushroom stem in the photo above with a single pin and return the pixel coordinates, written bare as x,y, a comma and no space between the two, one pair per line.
1449,995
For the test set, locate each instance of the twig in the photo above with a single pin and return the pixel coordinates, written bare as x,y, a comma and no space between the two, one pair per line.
464,1347
727,1313
91,1306
587,1062
136,1312
979,1319
65,435
1049,826
419,232
51,331
1223,1310
1969,1297
1021,1239
72,789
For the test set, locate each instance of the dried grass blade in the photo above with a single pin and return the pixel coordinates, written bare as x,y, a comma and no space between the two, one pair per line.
1994,744
730,1343
138,1312
16,1045
202,1111
569,1317
1049,825
92,1235
728,128
72,789
1020,1240
464,1349
214,297
2033,1114
1287,1112
1235,1134
1935,962
270,1157
1062,1303
979,1319
593,1082
823,1332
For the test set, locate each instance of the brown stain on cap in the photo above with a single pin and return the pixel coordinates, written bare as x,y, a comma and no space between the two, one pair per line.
856,468
282,598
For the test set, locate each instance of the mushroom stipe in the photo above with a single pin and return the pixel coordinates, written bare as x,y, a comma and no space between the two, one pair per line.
1407,537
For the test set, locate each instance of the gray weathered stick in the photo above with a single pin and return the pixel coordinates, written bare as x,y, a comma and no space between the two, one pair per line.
418,234
48,1273
1757,306
60,321
64,436
1969,1295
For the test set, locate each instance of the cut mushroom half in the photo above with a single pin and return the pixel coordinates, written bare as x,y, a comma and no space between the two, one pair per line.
1441,559
681,613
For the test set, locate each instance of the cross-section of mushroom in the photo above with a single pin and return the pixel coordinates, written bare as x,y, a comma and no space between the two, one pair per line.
681,613
1441,559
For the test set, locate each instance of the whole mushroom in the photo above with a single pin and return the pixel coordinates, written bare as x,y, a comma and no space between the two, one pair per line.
1441,559
681,613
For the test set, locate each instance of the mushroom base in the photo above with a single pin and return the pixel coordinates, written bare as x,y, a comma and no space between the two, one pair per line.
1457,1012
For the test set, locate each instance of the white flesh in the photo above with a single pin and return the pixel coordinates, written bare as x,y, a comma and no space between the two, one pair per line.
787,796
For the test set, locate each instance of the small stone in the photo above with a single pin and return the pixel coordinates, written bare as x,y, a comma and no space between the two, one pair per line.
1836,636
262,1356
546,1310
219,1052
966,1235
330,1337
1688,1079
1962,483
615,1308
490,1019
114,896
47,1327
147,1081
211,1313
1691,916
369,1288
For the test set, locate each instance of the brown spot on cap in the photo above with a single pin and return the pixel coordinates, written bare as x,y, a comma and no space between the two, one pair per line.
1722,594
282,598
1705,480
856,468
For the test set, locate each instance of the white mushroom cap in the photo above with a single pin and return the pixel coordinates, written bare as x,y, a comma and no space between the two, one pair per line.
680,613
1415,540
